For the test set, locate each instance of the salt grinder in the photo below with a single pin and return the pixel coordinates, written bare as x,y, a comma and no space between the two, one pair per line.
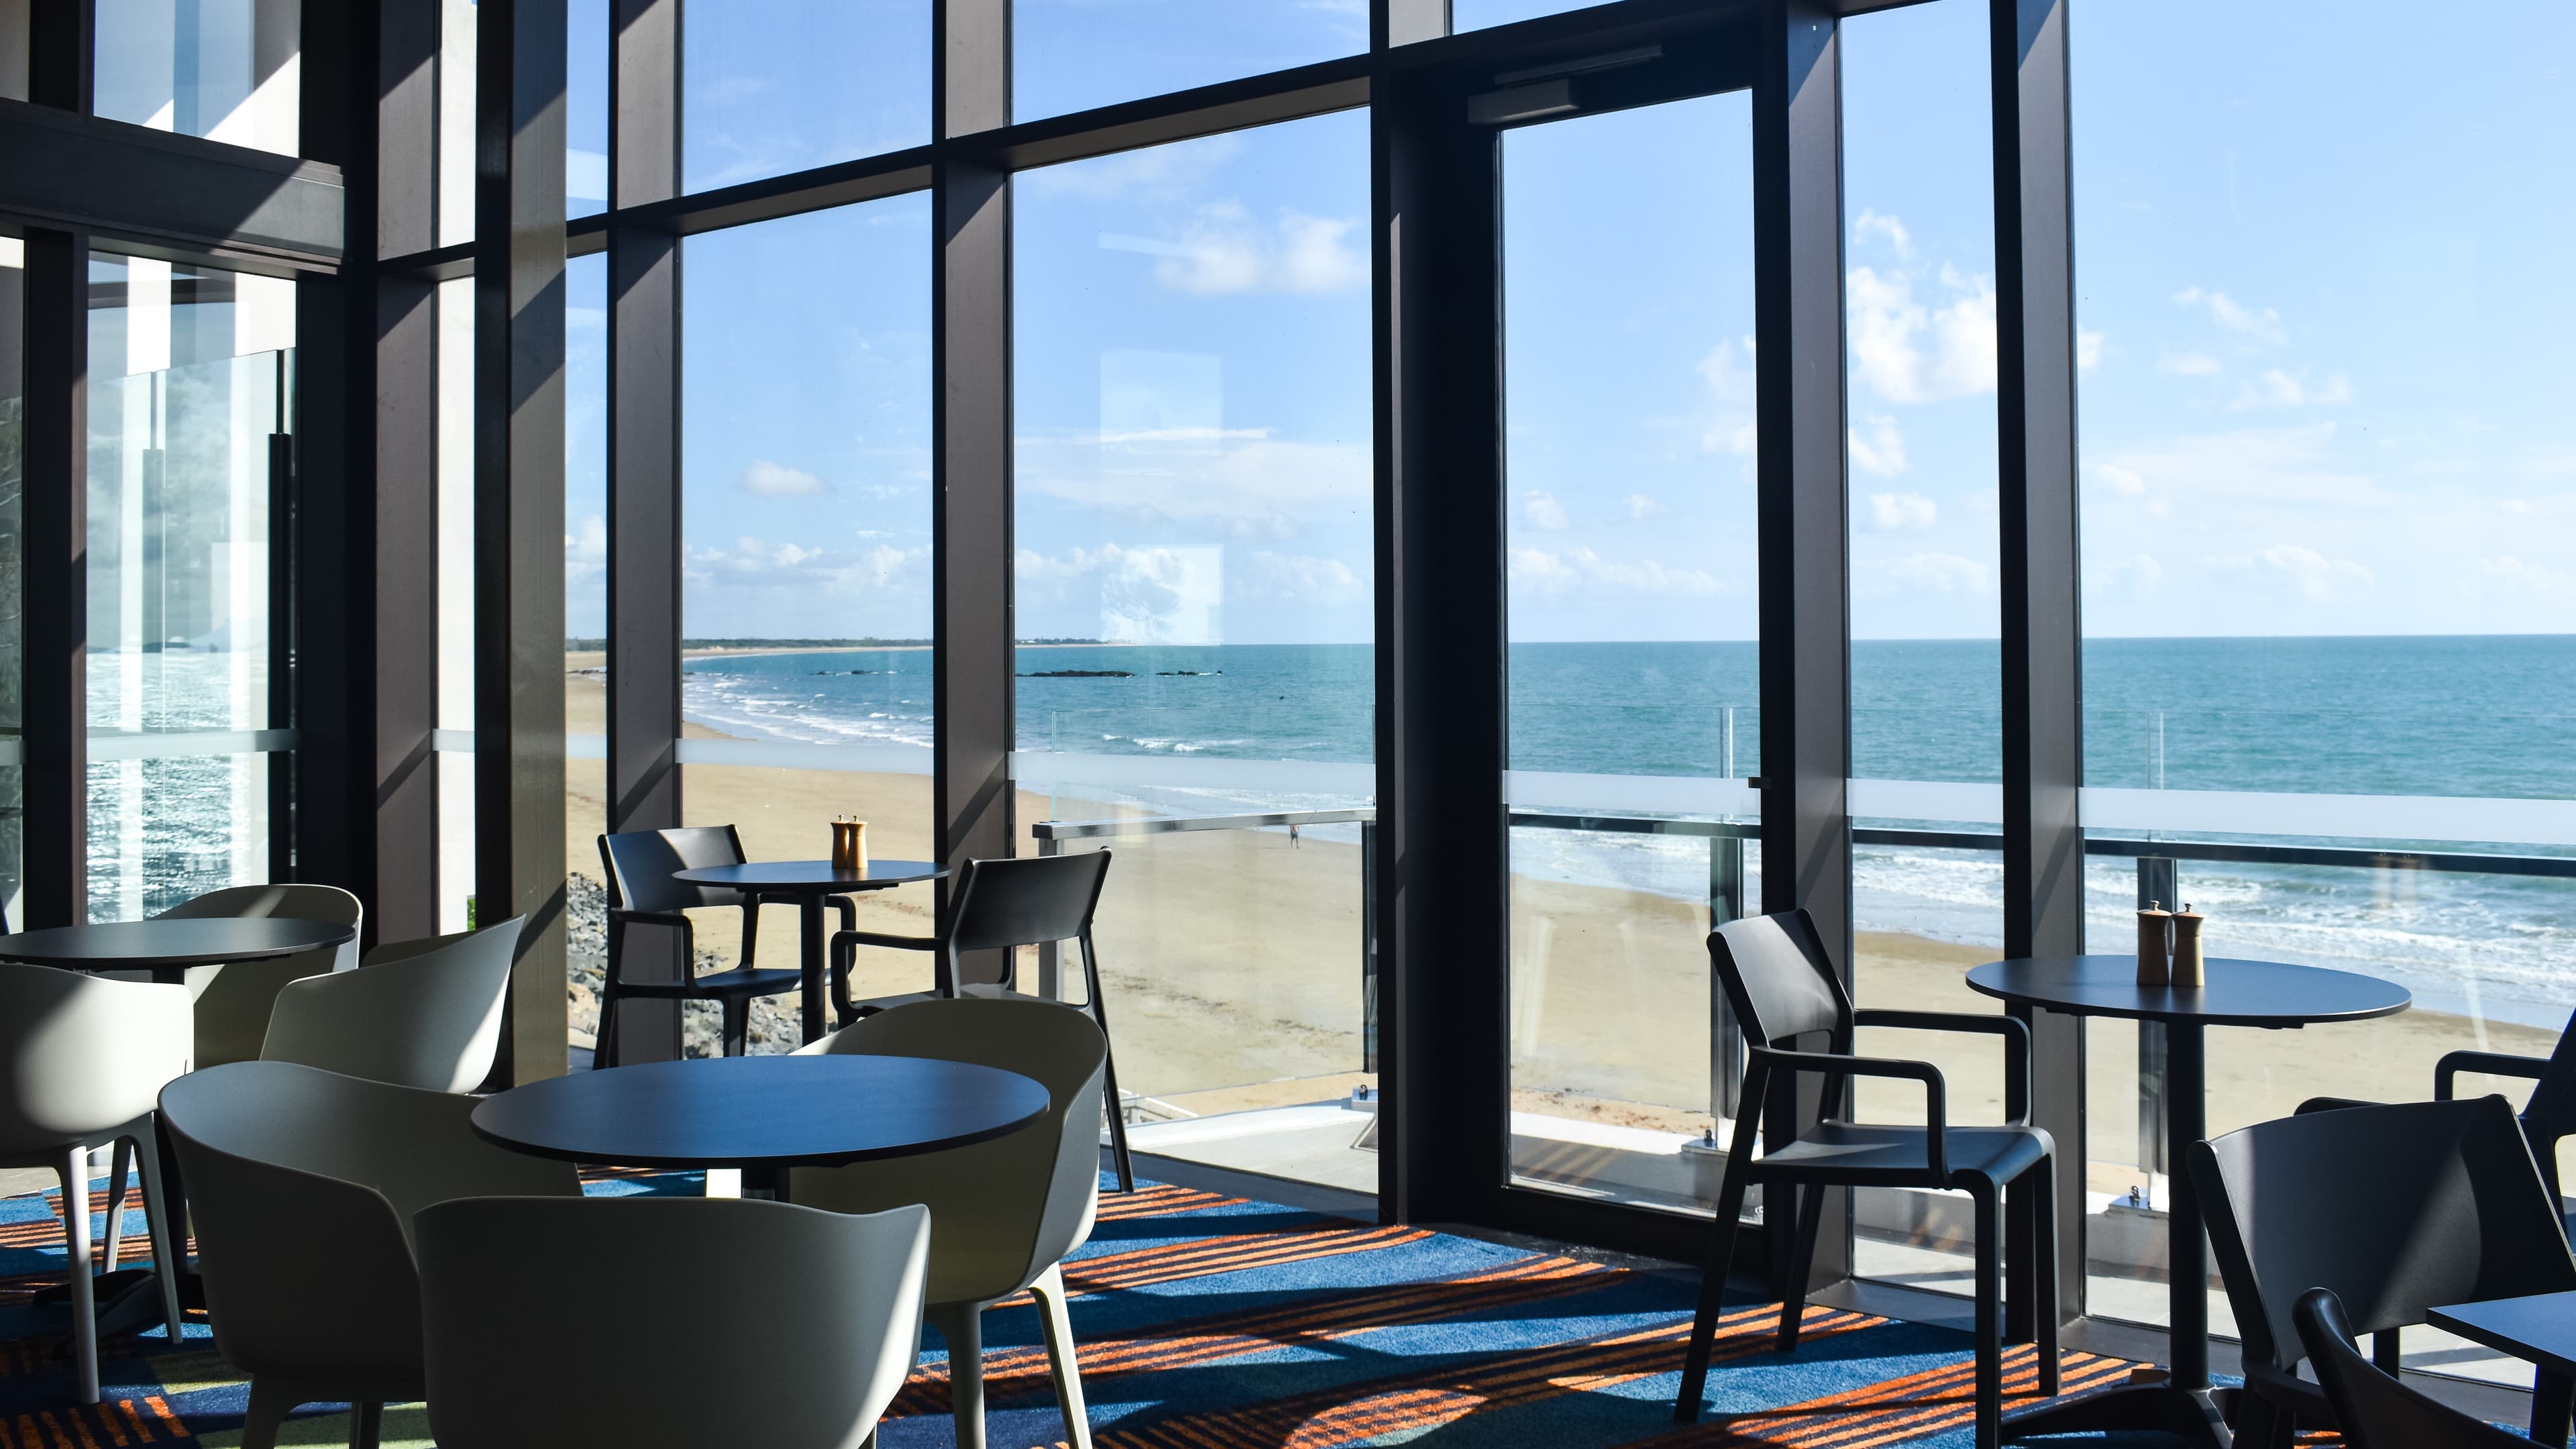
2155,945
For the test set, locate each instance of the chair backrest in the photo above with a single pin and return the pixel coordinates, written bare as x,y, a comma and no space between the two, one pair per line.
1024,1200
79,1055
1779,978
2377,1411
640,862
303,1185
235,1000
428,1019
2396,1209
545,1321
1028,901
2551,1110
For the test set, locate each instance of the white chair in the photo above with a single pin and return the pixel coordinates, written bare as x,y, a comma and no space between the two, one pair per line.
303,1185
417,1014
234,1000
1002,1213
80,1062
551,1323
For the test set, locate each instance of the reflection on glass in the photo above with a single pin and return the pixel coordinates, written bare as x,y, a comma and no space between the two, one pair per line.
1926,657
2325,494
1072,55
806,521
189,380
773,86
222,69
1628,294
1194,578
586,107
12,562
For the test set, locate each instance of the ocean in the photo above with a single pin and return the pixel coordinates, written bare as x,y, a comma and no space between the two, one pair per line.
2481,717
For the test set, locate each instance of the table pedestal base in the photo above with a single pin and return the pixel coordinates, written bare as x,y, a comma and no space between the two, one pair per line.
2187,1412
128,1298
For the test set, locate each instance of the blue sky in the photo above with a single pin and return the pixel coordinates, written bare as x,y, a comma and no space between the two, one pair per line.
2324,334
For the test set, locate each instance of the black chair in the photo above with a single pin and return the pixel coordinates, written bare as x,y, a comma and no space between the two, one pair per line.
2547,1118
2393,1209
1783,986
641,892
1000,906
2380,1412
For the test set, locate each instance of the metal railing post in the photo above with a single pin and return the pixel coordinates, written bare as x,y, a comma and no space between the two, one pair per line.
1725,1039
1368,945
2159,881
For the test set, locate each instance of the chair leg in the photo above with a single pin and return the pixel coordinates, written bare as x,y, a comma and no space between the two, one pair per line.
2040,1185
169,1248
366,1425
1117,1108
750,934
962,1326
119,1164
72,1166
1990,1337
737,1025
269,1406
1062,1365
1712,1287
603,1051
1802,1265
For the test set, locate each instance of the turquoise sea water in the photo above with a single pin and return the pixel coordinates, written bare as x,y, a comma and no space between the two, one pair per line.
2489,716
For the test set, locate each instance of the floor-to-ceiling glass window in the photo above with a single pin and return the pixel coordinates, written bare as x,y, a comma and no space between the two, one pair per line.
585,632
1926,652
13,314
1630,445
1072,55
585,107
773,86
2329,492
1194,586
190,373
222,69
806,572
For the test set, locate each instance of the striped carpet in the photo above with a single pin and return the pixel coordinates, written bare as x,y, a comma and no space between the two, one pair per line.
1212,1321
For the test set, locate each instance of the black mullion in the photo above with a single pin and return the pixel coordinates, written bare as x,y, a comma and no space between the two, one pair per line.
54,476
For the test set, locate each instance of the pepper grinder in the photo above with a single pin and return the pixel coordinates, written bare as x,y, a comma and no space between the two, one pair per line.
2189,968
849,844
2155,947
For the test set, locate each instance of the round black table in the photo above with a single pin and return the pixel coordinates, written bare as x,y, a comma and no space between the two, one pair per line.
811,882
168,948
2240,993
761,1114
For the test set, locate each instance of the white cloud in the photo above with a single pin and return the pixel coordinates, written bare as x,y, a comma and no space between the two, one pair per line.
1543,510
776,480
2519,577
1302,578
1154,172
1556,574
2279,389
586,553
2138,573
1641,506
1947,572
1882,451
1902,512
2188,364
2264,326
1545,570
754,561
2088,349
1873,224
1233,483
2118,479
1911,352
2314,575
1730,425
1224,251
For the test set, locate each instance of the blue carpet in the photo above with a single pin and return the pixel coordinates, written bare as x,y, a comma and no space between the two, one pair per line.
1211,1321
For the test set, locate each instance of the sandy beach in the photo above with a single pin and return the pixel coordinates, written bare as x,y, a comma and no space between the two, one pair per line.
1232,965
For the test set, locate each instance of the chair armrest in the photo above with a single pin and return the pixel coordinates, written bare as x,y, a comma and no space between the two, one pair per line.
895,943
1936,1116
650,918
2490,1064
2015,1033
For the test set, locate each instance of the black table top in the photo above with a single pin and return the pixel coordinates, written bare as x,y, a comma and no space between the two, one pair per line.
2540,1328
786,1111
818,876
204,941
2239,993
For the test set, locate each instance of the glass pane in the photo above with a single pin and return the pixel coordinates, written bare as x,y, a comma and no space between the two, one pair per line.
1194,584
458,25
1628,298
189,381
773,86
586,630
1926,654
586,107
1072,55
12,561
222,69
456,601
2327,511
1465,15
806,519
